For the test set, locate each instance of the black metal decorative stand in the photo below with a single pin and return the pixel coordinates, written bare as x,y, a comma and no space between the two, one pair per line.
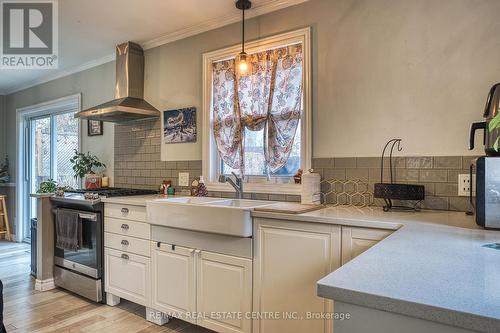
393,191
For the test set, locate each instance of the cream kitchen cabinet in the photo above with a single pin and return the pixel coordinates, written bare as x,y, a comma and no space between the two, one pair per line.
127,276
357,240
289,259
173,280
187,281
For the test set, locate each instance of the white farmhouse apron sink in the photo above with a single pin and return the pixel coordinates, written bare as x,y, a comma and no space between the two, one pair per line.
215,215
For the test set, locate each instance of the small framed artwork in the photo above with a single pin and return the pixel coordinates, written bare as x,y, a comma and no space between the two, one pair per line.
179,126
94,127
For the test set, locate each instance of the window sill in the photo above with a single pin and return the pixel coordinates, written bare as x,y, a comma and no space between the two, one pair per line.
292,189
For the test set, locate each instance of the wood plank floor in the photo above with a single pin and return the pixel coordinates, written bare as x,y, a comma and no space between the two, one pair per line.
27,310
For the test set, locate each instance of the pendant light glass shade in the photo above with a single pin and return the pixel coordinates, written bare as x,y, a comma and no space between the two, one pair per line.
243,63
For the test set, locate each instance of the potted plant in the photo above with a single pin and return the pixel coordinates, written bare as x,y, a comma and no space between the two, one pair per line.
85,167
47,187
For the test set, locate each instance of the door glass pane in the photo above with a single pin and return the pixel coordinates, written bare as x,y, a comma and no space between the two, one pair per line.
40,151
40,148
66,139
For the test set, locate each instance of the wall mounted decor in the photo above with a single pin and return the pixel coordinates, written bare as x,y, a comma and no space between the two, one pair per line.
94,128
179,126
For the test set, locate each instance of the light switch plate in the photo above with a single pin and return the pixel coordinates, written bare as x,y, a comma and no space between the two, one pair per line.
183,178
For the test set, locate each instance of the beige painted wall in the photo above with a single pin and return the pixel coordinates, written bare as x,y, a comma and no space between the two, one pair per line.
419,70
96,86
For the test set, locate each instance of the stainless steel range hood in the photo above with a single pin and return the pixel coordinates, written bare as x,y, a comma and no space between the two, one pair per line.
129,103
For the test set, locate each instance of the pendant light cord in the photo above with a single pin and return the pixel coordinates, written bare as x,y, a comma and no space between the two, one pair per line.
243,31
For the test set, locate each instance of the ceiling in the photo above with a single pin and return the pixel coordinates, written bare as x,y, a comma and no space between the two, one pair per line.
90,29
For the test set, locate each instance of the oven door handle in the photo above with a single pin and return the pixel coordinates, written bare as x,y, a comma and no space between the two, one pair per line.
92,217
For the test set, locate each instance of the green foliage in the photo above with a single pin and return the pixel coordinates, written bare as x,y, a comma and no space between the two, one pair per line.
48,186
85,163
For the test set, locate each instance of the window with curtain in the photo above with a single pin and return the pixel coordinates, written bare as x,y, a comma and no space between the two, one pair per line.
256,118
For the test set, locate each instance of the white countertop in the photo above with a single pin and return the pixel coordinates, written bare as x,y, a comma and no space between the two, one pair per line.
434,267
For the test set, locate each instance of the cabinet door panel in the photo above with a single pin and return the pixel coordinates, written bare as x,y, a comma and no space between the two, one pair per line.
224,285
290,259
357,240
173,279
127,276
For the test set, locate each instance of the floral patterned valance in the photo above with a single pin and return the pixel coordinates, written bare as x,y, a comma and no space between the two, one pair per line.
269,96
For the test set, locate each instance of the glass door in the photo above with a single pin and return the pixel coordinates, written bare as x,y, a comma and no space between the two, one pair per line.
52,141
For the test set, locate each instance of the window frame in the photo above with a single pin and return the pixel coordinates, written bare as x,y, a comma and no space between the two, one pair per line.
210,159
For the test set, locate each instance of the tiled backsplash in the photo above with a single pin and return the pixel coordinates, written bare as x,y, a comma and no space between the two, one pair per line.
439,175
137,164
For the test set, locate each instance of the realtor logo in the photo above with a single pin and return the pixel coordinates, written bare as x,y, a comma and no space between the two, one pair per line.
29,34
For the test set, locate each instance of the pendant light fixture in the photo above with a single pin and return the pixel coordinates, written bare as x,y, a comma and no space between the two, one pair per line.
242,61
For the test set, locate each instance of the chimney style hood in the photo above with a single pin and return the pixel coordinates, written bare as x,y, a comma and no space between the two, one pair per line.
129,103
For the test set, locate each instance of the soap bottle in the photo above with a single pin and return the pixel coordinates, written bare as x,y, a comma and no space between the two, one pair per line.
201,190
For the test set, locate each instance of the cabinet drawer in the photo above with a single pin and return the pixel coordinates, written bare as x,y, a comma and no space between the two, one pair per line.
127,228
128,212
126,243
127,276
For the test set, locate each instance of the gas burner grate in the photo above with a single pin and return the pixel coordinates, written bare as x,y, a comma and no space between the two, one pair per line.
115,192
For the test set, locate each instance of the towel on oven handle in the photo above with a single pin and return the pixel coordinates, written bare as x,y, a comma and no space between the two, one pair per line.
68,229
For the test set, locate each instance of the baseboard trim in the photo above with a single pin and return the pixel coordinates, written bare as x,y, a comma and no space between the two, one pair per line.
44,285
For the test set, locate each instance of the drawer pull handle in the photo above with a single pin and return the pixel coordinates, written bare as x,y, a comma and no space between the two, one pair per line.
125,226
124,256
125,210
124,242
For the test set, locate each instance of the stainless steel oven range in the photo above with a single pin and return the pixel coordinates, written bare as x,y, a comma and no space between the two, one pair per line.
81,269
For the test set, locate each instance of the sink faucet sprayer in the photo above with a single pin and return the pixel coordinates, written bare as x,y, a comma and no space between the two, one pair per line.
238,185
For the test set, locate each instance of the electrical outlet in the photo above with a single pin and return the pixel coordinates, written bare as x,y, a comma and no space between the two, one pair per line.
183,178
464,184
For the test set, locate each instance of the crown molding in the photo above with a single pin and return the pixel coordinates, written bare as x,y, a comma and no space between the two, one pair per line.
60,74
165,39
219,22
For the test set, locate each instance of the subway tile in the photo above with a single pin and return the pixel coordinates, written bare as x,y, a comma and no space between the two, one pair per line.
433,176
453,175
277,197
460,204
292,198
446,189
165,173
155,141
182,165
419,162
368,162
439,203
330,174
194,164
230,195
447,162
374,175
361,174
171,165
322,163
344,162
407,175
430,188
260,196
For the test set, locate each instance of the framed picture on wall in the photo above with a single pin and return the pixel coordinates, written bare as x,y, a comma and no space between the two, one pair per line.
179,126
94,128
